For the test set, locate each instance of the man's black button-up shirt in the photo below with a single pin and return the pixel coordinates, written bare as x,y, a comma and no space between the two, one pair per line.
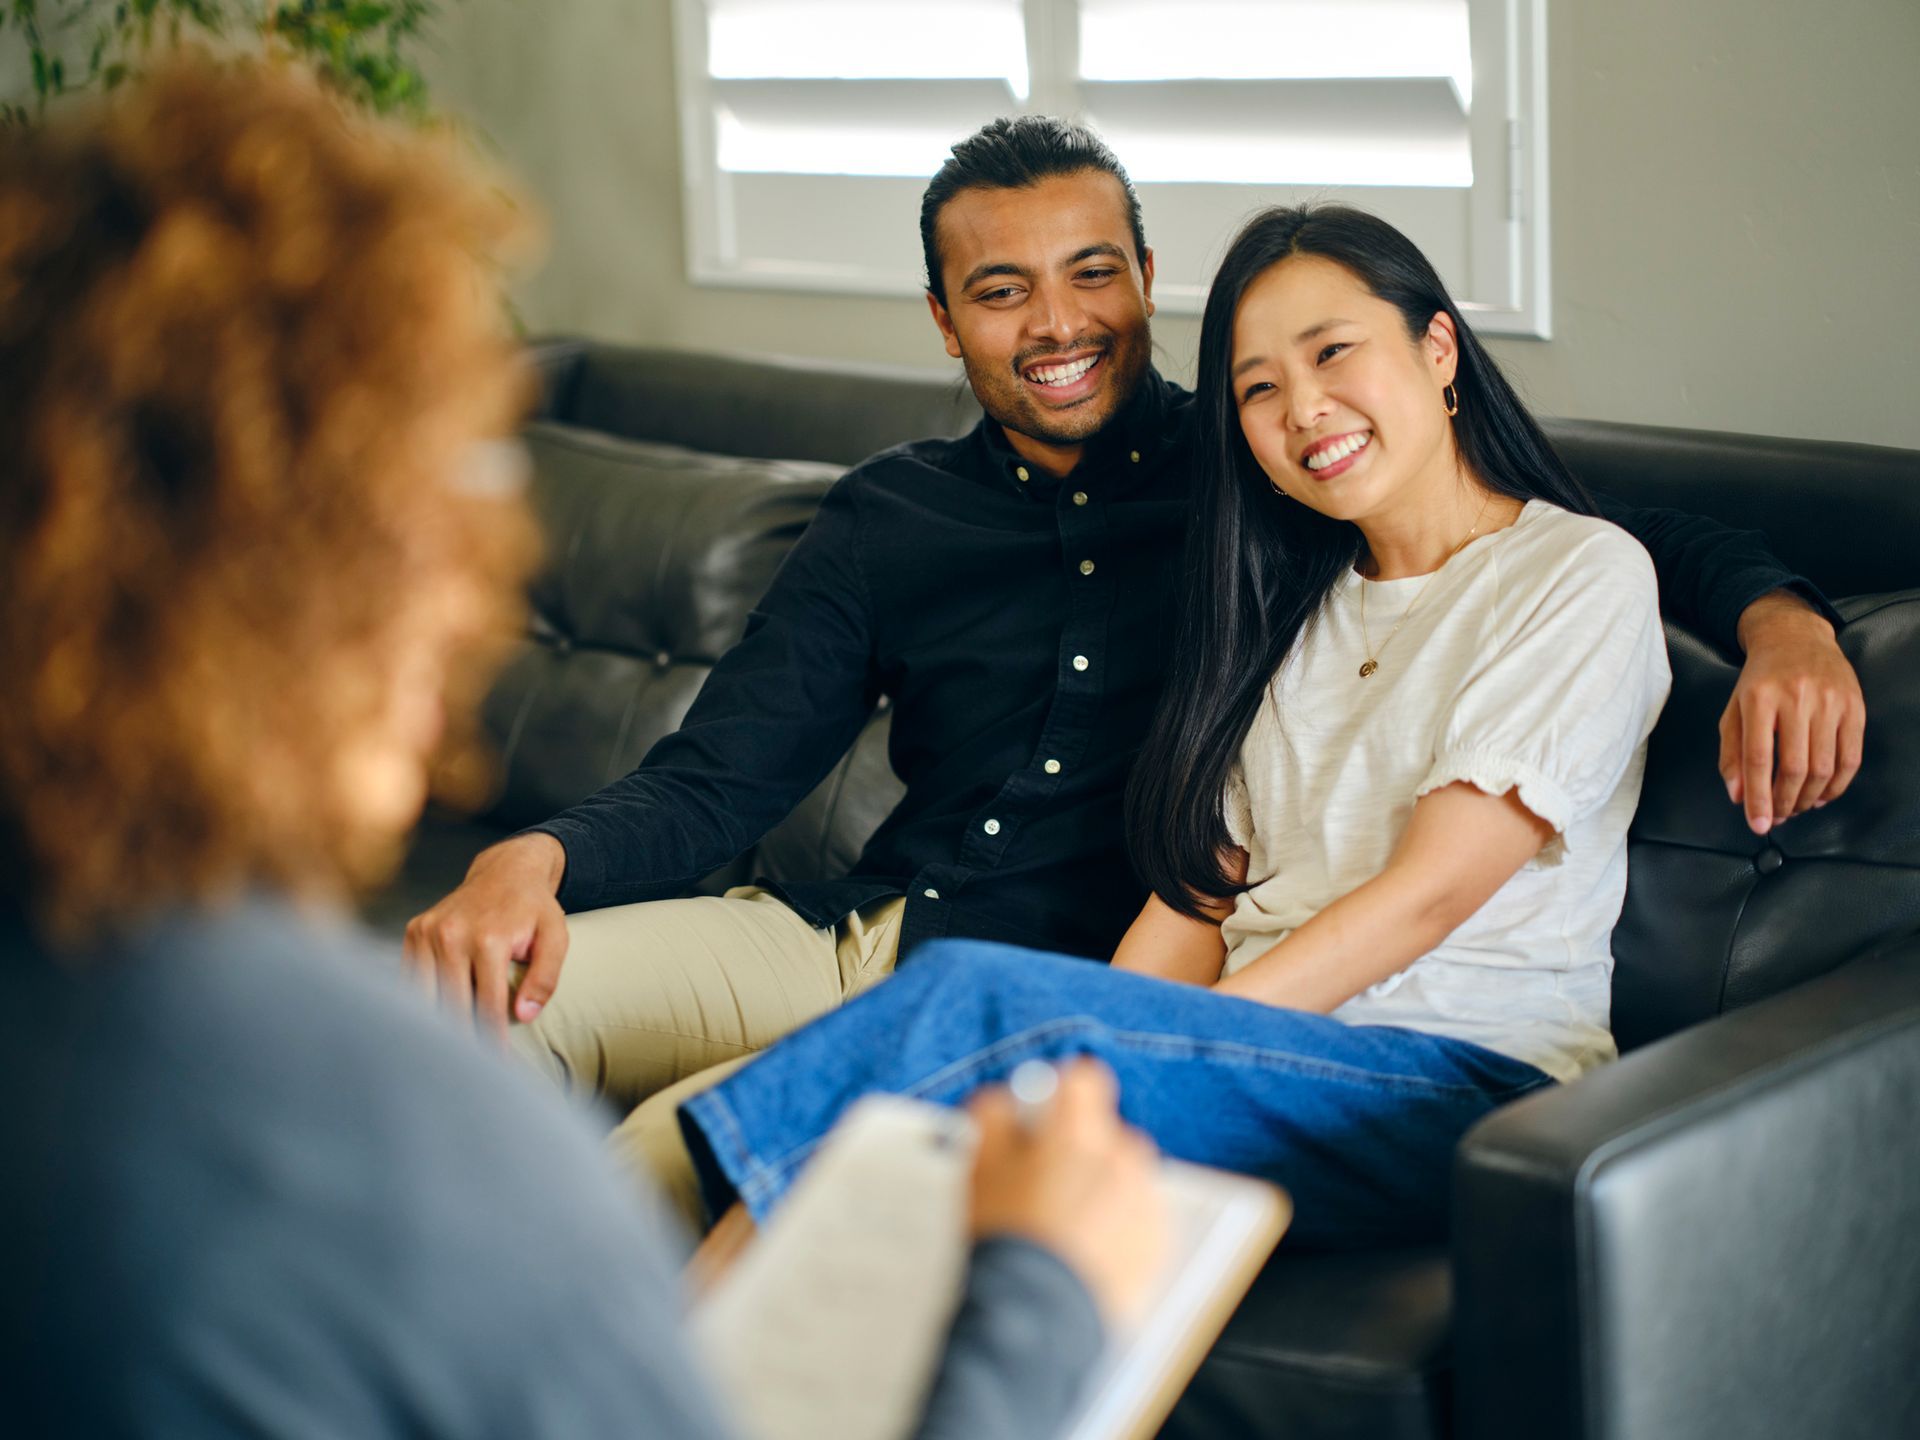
1021,626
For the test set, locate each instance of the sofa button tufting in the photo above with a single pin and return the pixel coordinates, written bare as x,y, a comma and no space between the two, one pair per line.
563,645
1769,860
662,660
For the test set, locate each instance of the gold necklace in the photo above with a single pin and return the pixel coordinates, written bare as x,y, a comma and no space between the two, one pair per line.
1372,662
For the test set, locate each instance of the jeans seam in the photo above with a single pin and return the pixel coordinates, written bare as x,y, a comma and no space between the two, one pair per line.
1184,1046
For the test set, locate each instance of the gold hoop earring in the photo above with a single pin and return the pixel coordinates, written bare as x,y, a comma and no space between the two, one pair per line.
1450,398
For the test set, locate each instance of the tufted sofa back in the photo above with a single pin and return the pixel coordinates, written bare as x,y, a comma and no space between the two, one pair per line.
1716,917
672,484
655,555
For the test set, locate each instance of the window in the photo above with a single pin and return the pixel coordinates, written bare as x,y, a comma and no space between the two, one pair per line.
812,126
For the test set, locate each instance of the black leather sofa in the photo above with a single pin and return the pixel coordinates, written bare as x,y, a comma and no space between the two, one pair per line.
1719,1235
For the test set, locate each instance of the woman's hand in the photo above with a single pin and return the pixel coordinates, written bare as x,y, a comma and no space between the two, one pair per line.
1078,1181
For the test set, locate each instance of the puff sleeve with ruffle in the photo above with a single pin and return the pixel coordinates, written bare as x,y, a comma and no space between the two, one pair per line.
1560,710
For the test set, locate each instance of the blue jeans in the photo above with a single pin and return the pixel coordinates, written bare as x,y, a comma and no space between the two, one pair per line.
1358,1122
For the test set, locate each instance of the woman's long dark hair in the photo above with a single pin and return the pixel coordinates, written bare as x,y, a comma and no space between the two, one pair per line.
1258,567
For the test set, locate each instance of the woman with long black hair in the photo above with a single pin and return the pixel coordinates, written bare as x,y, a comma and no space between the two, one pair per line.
1383,808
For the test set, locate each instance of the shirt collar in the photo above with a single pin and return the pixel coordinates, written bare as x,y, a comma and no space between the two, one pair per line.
1115,460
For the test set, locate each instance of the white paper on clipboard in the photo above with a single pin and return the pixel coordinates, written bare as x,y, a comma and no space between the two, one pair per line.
831,1325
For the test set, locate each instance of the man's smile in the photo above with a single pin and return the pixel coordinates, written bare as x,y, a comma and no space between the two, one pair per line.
1062,380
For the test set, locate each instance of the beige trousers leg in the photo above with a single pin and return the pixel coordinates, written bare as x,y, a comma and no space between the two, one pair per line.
656,1002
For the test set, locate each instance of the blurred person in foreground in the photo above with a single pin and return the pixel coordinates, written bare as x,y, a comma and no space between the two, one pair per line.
256,527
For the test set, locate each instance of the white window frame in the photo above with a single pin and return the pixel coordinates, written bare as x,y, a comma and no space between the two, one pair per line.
1509,292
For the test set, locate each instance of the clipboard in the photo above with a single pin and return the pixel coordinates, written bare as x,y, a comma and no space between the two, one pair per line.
831,1326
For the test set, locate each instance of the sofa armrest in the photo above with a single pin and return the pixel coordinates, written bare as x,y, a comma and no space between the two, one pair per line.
1719,1235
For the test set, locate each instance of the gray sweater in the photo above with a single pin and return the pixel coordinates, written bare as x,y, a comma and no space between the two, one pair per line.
255,1186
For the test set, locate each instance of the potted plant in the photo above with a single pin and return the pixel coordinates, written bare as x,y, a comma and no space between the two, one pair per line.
362,48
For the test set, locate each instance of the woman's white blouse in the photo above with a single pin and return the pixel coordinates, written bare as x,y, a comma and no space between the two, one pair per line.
1532,661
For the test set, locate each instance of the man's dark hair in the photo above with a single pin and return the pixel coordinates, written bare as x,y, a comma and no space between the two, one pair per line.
1011,153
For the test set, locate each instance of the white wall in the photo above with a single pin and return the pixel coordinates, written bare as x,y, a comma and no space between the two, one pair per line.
1736,208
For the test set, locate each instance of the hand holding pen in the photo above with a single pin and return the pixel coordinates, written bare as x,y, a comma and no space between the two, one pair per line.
1055,1164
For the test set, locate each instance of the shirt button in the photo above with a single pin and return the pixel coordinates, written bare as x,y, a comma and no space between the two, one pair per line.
992,827
1020,473
1079,662
931,894
1052,767
1086,567
1079,497
1134,455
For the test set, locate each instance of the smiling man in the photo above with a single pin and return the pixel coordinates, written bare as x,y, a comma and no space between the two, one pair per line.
1012,592
1054,342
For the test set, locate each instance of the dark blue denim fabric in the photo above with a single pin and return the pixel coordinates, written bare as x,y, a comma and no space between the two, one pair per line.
1357,1122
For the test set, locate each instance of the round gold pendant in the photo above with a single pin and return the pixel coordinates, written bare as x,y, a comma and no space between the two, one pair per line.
1368,668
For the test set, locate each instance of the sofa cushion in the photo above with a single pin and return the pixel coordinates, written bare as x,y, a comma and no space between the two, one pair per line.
655,556
1329,1347
1717,917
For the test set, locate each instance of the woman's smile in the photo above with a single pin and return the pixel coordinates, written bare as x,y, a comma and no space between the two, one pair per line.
1325,459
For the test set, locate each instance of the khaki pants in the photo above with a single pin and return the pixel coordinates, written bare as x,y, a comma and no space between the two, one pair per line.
657,1002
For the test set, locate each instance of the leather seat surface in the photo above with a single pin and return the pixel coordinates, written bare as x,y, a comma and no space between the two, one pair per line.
1349,1345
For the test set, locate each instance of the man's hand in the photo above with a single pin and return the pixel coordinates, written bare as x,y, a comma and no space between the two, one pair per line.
1080,1182
1790,738
503,912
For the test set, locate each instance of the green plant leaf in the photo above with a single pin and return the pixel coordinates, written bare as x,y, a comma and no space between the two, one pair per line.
360,48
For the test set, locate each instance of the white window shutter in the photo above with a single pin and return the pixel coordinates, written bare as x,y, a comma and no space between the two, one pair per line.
813,125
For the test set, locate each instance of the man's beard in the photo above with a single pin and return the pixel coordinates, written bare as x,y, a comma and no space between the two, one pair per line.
1005,397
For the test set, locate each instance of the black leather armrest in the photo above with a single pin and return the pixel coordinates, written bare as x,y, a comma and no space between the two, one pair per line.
1719,1235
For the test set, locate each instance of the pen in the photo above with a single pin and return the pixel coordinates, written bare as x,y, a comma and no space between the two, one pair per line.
1033,1083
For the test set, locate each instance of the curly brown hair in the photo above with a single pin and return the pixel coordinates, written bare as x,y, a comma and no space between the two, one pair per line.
248,344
